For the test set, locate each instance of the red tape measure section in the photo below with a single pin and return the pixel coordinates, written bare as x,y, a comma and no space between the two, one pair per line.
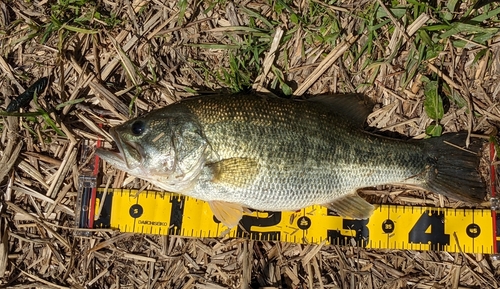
93,195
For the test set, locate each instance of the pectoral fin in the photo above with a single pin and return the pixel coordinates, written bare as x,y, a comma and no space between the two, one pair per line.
238,172
352,206
229,214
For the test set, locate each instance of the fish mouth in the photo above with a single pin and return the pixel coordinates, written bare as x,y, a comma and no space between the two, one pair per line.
129,154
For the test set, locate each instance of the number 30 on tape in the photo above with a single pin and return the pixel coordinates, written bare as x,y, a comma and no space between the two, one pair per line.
390,227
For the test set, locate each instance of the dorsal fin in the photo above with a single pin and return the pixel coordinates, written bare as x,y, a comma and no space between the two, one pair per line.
355,107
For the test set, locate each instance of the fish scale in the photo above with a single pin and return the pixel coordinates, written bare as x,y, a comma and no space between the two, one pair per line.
303,151
247,151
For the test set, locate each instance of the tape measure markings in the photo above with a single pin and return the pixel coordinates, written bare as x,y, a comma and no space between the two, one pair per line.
496,228
391,227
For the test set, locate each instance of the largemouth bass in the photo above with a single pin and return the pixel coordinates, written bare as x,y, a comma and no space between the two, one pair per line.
272,154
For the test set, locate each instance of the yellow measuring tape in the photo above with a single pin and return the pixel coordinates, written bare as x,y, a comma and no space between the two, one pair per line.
390,227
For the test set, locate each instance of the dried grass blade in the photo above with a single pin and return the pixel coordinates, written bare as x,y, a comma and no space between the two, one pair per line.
110,241
315,249
137,257
43,158
108,69
33,172
52,285
9,157
20,210
394,20
7,70
4,244
325,64
127,63
30,192
441,74
69,160
109,100
92,126
269,60
60,196
418,23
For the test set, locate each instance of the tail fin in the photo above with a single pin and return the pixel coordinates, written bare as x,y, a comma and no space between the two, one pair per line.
454,170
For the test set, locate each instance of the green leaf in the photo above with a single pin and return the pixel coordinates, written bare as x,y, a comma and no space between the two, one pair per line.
447,15
425,38
287,90
396,12
256,15
454,96
433,103
51,123
19,114
79,30
437,27
459,27
213,45
182,4
451,5
487,15
70,102
434,130
190,90
479,55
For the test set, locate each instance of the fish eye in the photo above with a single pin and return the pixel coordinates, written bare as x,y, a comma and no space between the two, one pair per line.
138,127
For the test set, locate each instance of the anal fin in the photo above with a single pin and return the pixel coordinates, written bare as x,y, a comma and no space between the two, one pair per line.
229,214
352,206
